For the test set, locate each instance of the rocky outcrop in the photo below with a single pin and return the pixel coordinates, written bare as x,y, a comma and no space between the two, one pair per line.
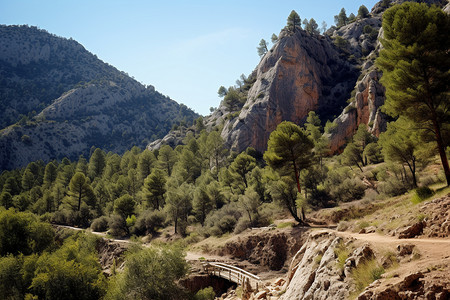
111,255
301,73
267,249
365,108
414,286
315,274
437,221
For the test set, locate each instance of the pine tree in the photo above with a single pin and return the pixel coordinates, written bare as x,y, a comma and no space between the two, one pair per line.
293,21
262,48
363,12
415,62
97,163
288,152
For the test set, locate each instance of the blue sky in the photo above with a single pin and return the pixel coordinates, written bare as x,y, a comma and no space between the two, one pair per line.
186,49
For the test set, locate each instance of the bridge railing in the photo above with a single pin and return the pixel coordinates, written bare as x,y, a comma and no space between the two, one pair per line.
232,273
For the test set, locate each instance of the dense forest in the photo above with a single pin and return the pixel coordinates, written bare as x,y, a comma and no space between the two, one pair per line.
202,189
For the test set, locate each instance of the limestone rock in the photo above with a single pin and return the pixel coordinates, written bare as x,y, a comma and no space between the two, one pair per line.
316,275
299,74
365,109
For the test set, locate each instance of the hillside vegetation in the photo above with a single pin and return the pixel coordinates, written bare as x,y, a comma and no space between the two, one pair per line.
201,192
59,100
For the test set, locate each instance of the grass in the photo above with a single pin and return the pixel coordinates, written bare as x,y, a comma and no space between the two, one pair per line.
366,273
285,225
421,194
342,252
317,259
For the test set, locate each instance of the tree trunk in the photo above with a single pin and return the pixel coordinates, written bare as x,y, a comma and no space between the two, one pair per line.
442,153
299,189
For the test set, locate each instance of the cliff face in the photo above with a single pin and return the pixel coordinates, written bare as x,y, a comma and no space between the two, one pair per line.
301,73
365,108
73,101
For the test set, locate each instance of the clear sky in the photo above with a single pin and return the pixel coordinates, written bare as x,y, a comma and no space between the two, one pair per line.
186,49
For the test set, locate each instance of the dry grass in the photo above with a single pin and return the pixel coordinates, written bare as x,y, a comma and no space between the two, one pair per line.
366,273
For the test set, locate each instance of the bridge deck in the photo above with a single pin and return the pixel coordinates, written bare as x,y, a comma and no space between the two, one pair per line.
233,274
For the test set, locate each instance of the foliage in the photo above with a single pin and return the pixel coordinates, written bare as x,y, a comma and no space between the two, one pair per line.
124,206
421,193
262,48
415,64
288,152
341,19
148,222
366,273
22,232
150,274
205,294
71,272
342,185
363,12
100,224
400,144
293,21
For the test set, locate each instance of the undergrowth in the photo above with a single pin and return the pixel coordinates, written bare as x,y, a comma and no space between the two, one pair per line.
342,252
366,273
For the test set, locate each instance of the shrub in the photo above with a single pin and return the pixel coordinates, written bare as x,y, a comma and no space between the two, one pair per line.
205,294
71,272
23,233
149,222
117,226
366,273
422,193
100,224
150,274
241,225
222,220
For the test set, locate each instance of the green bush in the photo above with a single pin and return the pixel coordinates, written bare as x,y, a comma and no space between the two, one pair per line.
23,233
117,226
71,272
205,294
422,193
149,222
150,273
100,224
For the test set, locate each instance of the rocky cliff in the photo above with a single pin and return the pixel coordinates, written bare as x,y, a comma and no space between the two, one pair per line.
301,73
61,100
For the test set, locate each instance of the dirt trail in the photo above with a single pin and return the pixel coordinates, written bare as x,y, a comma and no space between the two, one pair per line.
437,248
433,255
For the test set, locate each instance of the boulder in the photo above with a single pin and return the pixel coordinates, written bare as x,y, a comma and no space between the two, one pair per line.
412,231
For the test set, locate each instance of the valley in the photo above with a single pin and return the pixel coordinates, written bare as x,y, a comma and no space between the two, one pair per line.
324,173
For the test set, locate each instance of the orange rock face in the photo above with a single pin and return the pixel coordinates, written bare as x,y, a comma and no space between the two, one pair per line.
364,109
300,73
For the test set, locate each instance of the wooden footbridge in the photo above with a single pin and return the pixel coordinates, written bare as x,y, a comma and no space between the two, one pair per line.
233,274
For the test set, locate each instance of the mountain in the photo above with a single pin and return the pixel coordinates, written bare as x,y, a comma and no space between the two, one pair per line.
57,99
332,74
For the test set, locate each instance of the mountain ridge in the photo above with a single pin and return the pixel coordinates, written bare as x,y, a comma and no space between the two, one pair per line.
58,100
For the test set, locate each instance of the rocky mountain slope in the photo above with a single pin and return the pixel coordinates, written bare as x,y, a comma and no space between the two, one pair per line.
332,74
57,99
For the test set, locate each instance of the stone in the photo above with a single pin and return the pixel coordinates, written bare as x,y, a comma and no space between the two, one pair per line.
412,231
411,280
261,295
405,249
302,73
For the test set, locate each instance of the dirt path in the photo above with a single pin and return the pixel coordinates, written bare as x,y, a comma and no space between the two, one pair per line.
433,255
437,248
